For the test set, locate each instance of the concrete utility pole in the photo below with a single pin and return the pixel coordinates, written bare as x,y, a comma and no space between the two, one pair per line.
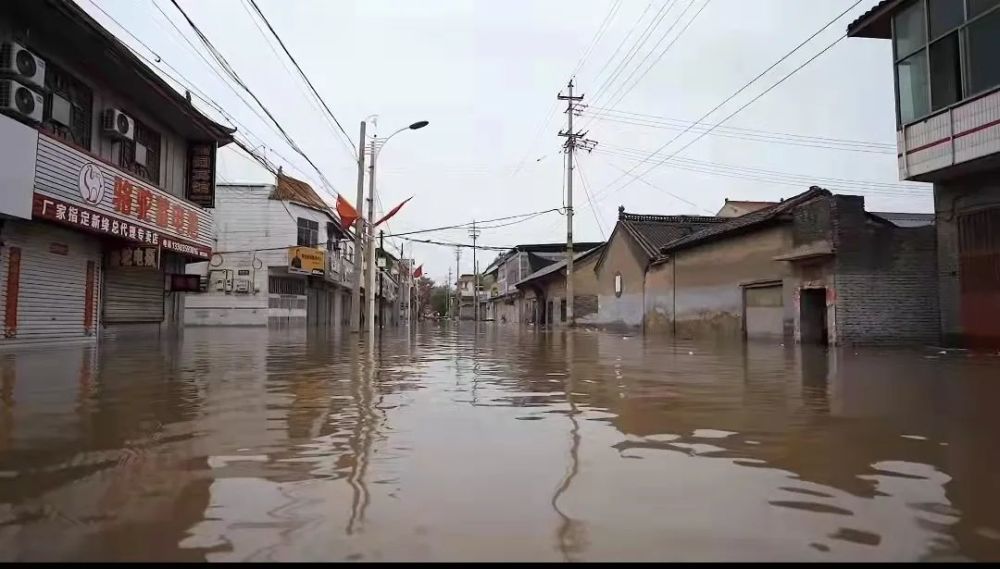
370,287
359,228
474,233
573,139
447,296
458,283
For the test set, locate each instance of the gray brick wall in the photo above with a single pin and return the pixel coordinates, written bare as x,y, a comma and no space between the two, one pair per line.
886,279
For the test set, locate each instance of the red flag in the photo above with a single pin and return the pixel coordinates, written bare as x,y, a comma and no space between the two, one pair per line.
348,215
419,272
393,211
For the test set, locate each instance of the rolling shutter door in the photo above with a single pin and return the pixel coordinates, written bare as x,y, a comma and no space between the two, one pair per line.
133,295
52,291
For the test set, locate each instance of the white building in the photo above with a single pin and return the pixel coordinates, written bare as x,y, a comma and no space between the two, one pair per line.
282,259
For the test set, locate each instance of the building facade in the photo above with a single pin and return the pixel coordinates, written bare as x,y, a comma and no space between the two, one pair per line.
107,182
543,293
947,87
282,260
621,267
815,268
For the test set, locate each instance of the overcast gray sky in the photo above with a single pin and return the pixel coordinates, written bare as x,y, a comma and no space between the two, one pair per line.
485,74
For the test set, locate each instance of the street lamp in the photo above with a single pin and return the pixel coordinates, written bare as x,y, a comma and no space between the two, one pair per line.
376,146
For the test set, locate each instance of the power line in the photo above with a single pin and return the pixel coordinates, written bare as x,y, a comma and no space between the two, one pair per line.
304,77
653,24
528,216
236,78
650,53
891,186
601,112
593,210
622,43
738,91
605,24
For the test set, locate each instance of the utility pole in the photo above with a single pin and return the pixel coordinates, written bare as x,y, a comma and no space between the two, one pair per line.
370,287
381,281
573,139
458,284
359,228
447,296
474,233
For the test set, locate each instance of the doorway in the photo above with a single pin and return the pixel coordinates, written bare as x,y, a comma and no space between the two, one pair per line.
812,316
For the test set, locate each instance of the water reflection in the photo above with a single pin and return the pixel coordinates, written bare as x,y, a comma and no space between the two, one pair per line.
506,444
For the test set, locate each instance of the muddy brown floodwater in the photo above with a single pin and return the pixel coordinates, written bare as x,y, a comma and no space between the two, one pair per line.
509,444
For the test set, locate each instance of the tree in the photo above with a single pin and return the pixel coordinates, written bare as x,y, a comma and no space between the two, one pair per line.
439,300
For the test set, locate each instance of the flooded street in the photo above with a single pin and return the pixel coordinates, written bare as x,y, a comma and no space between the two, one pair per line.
512,444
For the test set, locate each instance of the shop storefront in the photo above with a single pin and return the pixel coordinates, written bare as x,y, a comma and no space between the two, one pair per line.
97,252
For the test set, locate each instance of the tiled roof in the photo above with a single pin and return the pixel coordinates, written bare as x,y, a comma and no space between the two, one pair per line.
654,231
744,222
290,189
907,219
874,23
547,270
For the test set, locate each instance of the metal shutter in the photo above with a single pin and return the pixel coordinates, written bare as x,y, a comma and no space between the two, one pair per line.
133,295
53,280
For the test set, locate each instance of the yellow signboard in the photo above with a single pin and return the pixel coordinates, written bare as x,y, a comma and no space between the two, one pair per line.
306,261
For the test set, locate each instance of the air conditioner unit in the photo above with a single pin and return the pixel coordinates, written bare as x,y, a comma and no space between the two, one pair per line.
117,124
19,100
28,67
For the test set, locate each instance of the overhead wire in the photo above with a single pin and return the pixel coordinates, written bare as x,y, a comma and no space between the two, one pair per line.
601,29
615,95
231,72
737,92
306,79
586,190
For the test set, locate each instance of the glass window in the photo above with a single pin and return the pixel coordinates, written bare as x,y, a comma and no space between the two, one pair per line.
68,107
983,47
977,7
944,16
308,232
141,156
618,284
911,76
910,34
946,72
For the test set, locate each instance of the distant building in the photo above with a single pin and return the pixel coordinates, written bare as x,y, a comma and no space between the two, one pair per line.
947,83
815,268
621,265
282,260
734,208
511,266
543,298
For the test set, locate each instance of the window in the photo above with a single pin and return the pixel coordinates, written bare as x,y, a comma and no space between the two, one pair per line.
911,75
946,72
562,310
909,29
983,47
945,51
944,16
308,233
69,107
141,156
618,284
285,285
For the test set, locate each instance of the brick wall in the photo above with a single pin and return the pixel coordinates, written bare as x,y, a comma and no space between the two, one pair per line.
886,286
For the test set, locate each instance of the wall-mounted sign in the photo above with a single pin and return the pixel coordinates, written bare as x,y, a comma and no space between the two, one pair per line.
306,261
90,220
142,257
201,173
74,188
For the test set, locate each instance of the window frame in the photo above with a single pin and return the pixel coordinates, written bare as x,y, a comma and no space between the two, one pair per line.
126,154
311,226
961,29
